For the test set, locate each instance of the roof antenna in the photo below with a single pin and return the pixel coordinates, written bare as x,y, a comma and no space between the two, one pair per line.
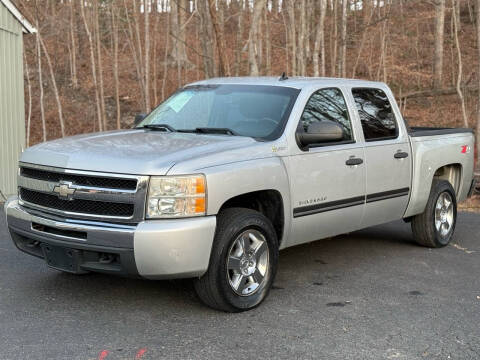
283,77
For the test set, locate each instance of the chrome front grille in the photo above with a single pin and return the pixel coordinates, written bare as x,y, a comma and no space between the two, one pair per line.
83,194
113,183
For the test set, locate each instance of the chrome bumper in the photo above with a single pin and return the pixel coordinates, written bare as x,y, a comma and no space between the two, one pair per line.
154,249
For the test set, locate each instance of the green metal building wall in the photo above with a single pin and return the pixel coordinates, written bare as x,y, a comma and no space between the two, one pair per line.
12,112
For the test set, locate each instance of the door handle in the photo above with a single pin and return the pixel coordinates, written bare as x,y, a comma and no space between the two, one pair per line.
354,161
400,155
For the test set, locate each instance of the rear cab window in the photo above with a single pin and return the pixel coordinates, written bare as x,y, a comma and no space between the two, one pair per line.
376,114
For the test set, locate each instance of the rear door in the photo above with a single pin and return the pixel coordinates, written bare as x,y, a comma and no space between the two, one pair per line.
387,156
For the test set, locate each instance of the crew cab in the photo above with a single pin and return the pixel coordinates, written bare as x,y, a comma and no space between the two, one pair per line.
226,172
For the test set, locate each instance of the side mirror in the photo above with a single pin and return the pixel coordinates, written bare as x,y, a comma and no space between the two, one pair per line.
139,118
320,132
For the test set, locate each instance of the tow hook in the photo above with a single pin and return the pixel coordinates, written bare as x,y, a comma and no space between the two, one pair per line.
106,258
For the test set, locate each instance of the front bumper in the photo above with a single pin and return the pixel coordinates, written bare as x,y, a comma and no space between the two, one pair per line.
154,249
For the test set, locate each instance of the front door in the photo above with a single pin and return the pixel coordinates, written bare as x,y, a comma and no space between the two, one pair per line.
387,157
327,180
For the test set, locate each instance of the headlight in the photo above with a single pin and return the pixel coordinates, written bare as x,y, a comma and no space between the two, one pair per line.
176,196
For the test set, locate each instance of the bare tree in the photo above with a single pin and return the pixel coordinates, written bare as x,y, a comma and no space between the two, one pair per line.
459,55
366,24
133,39
239,40
29,88
342,64
97,35
268,45
54,84
478,79
334,39
292,34
206,39
40,83
301,38
155,61
179,39
93,65
319,45
258,7
73,47
146,11
439,37
223,67
115,62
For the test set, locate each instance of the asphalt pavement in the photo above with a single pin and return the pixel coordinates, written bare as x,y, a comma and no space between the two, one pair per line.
372,294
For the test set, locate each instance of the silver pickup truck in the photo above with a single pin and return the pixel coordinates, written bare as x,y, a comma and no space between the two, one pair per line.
226,172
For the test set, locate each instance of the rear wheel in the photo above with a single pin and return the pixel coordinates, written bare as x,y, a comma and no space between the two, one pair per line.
435,226
243,261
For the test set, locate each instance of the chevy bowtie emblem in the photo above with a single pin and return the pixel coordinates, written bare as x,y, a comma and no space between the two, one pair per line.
64,190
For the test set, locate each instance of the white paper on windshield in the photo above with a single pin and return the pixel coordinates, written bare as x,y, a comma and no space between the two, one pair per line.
178,102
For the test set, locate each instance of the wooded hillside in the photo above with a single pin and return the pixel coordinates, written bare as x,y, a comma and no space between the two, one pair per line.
95,64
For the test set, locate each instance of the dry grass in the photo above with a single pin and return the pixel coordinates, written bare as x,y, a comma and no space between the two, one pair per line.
472,204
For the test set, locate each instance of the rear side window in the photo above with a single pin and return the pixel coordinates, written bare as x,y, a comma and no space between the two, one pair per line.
327,104
376,115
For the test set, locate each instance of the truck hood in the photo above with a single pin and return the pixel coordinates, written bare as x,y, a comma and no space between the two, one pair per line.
138,152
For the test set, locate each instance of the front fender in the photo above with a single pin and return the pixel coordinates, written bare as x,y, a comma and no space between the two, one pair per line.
227,181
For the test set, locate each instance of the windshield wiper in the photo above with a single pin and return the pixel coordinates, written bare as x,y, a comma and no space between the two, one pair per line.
163,127
209,130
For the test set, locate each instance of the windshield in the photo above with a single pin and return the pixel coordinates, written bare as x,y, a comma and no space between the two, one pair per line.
246,110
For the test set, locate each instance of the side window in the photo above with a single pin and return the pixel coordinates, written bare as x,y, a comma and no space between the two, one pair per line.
327,104
376,115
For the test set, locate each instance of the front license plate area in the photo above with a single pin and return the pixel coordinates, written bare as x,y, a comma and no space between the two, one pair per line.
61,258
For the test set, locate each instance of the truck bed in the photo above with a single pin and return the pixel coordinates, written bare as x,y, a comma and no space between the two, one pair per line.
431,131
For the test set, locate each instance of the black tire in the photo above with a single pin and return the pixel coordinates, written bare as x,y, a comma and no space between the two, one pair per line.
214,288
424,230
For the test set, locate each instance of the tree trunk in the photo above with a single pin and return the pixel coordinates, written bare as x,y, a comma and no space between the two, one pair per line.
334,41
457,13
239,42
206,39
165,57
155,61
319,45
459,78
366,11
343,50
136,52
258,8
478,79
301,39
73,45
93,65
29,88
268,45
54,84
439,37
146,11
362,43
40,83
179,53
100,65
292,34
223,68
115,64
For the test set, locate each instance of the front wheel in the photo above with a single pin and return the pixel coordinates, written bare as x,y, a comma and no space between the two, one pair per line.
243,262
435,226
